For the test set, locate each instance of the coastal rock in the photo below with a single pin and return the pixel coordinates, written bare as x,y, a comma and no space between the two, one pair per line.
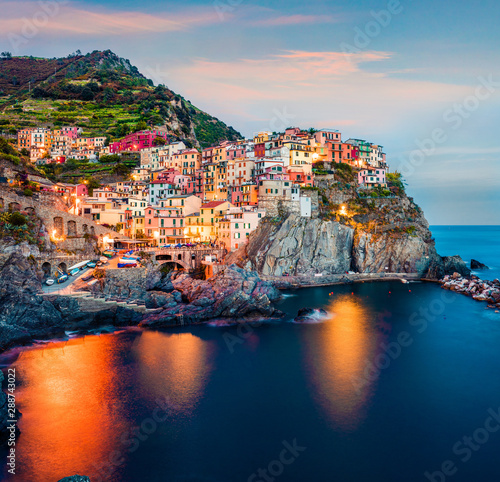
299,246
474,264
75,478
27,315
447,265
480,290
234,293
306,314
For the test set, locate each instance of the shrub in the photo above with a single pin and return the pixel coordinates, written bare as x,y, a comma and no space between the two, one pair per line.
17,219
28,192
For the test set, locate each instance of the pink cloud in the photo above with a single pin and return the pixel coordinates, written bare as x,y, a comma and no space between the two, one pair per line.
296,20
68,18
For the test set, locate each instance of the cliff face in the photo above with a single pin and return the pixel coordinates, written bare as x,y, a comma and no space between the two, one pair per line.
301,245
387,235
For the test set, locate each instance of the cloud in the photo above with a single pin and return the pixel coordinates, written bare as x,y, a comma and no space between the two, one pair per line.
317,87
285,20
62,17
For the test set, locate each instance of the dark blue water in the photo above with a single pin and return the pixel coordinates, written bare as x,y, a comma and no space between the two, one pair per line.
384,388
471,242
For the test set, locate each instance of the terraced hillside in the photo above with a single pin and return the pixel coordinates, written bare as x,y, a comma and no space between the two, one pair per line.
102,93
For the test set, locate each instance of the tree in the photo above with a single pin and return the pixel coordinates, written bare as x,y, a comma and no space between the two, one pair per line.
6,55
92,183
110,158
159,141
121,169
87,94
141,126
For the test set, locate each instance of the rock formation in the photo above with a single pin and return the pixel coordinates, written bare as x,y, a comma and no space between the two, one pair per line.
474,264
480,290
387,236
234,293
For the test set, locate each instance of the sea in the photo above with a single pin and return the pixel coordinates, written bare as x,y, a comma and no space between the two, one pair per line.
392,382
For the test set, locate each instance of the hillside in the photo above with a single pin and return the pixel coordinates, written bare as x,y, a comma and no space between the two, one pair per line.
102,93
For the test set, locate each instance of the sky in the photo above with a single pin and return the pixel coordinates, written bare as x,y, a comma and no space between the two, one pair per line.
422,78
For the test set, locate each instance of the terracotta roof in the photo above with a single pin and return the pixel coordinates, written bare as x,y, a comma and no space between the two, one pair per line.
213,204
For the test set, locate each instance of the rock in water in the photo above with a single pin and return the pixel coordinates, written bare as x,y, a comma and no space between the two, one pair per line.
75,478
474,264
306,314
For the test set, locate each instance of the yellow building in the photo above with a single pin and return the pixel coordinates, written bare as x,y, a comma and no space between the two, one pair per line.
203,226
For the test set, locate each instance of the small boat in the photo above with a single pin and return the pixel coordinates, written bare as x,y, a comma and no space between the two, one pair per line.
91,264
74,272
62,278
127,263
404,281
50,281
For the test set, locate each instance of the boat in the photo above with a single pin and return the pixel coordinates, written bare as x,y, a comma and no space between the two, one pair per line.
91,264
108,254
62,278
50,281
127,263
74,271
404,281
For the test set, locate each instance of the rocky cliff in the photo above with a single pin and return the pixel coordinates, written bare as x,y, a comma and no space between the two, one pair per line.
234,293
386,234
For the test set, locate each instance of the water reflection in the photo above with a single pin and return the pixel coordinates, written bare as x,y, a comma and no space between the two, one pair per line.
76,400
337,358
71,411
173,367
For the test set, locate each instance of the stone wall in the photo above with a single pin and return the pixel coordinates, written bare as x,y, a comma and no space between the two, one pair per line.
51,210
281,206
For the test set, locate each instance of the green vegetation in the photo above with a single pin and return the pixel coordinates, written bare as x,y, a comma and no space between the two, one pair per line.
20,227
103,94
345,173
395,183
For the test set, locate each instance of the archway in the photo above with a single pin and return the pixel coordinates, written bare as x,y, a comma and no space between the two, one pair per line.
47,269
92,230
63,267
59,226
30,211
164,257
71,228
85,229
14,207
175,266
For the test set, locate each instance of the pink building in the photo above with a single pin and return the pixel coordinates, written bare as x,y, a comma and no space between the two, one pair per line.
273,172
372,177
237,224
300,174
69,132
236,151
137,141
